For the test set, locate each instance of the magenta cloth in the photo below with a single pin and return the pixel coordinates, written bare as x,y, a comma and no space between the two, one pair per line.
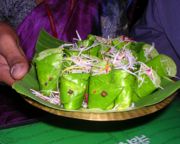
84,18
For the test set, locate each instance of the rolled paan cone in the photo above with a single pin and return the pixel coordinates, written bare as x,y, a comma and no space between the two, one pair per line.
163,65
102,92
125,81
102,87
72,90
147,52
48,65
147,82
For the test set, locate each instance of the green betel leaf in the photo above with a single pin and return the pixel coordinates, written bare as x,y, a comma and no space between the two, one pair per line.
72,89
126,82
102,91
163,65
48,66
159,95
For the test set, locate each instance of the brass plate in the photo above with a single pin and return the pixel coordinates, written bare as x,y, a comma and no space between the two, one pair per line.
105,116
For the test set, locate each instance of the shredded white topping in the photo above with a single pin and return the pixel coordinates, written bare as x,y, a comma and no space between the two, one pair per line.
53,98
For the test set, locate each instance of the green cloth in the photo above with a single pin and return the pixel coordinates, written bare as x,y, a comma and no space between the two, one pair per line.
162,127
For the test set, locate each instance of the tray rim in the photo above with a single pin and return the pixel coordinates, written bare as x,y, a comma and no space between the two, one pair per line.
102,116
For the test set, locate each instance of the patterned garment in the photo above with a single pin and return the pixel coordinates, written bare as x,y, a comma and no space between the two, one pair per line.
113,18
14,11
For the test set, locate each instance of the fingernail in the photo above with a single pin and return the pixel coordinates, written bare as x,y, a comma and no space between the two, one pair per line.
16,71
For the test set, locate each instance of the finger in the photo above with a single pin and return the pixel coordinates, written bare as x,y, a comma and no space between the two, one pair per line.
5,72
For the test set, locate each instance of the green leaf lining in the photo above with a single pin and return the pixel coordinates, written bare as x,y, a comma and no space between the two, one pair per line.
46,41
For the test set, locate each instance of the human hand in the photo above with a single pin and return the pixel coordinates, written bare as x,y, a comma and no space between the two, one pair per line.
13,63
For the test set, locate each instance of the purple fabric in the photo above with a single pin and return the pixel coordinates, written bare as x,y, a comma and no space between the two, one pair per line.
84,18
161,25
14,110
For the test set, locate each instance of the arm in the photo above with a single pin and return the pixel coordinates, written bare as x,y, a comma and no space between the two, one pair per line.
13,63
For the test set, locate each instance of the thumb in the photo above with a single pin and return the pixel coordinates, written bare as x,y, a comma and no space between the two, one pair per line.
15,58
18,63
13,62
19,69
